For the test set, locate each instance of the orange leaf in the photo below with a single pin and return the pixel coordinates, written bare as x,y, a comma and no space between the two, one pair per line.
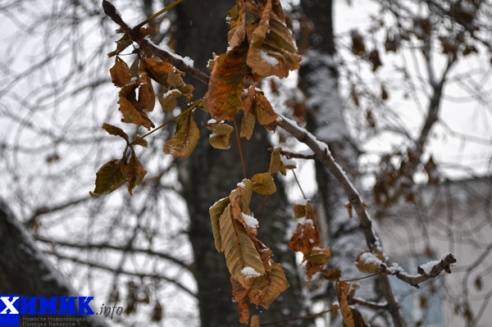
343,289
263,110
239,295
134,173
120,73
109,177
267,288
226,86
185,139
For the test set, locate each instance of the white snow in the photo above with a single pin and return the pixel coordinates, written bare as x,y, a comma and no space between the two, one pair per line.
370,259
304,221
288,162
249,272
241,184
187,60
267,58
211,121
427,267
251,221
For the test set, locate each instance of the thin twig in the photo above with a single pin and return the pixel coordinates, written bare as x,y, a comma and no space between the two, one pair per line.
240,148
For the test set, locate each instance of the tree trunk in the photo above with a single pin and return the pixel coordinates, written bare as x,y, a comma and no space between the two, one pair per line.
210,174
318,79
24,269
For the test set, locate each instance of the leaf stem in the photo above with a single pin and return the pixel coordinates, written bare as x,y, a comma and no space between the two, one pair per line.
193,106
299,185
157,14
240,148
361,278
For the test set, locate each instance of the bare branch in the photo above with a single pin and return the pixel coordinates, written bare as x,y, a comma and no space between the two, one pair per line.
124,272
423,276
107,246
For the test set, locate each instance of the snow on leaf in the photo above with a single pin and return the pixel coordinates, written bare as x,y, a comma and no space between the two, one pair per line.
120,73
368,262
250,221
249,272
239,249
167,100
221,135
185,139
263,184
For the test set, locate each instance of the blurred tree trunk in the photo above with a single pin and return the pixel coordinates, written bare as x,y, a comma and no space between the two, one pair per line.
24,269
319,81
210,174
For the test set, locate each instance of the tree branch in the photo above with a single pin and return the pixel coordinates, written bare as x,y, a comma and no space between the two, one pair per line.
106,246
124,272
425,274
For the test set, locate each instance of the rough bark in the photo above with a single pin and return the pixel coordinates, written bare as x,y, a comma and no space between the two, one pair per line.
24,269
210,174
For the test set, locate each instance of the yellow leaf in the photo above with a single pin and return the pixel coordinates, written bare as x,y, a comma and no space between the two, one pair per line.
134,173
267,288
120,73
316,261
263,184
343,289
226,84
368,262
215,212
272,50
184,140
167,100
220,138
276,164
263,110
331,274
247,125
113,130
140,141
255,321
242,258
109,177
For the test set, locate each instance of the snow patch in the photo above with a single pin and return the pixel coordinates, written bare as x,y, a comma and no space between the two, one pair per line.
370,259
267,58
251,221
249,272
427,267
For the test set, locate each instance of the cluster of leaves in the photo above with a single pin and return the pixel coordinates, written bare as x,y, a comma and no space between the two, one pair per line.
254,274
397,182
